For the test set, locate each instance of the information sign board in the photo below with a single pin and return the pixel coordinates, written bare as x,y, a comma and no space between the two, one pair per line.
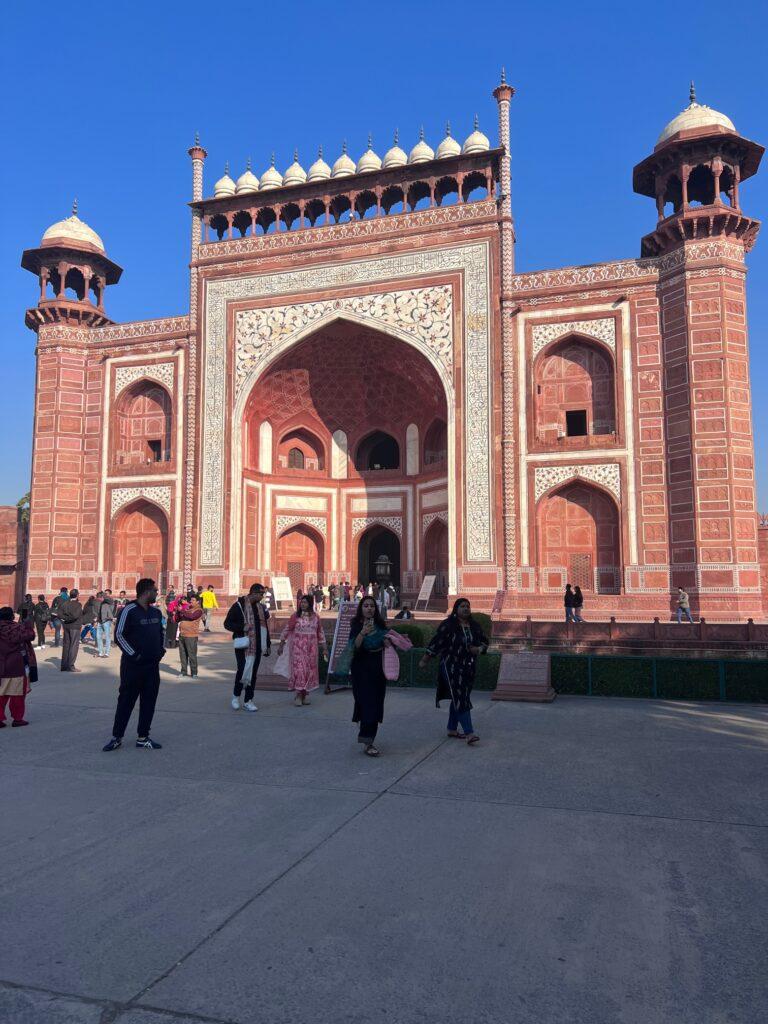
344,619
427,586
281,585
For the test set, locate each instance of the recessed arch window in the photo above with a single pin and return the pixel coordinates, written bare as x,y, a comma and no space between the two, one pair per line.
574,391
144,422
295,458
377,451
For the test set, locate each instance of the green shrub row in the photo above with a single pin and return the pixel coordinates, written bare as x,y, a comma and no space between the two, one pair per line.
676,678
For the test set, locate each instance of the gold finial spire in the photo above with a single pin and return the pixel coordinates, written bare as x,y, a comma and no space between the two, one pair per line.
74,207
226,167
320,152
692,93
397,136
477,122
295,156
370,140
503,75
248,164
448,128
197,138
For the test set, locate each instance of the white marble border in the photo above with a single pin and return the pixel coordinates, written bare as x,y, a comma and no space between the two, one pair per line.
473,260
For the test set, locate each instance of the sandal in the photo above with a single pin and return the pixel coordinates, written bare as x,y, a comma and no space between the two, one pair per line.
473,738
372,751
454,735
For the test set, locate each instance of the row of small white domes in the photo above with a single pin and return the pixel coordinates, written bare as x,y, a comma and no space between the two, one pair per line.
344,167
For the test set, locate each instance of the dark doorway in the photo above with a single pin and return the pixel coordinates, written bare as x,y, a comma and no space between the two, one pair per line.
576,423
378,451
376,542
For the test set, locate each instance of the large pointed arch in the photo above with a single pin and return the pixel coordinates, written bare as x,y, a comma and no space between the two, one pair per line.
279,351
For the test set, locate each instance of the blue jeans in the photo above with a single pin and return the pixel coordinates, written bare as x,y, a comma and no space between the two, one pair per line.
56,623
684,611
569,616
103,636
459,718
86,630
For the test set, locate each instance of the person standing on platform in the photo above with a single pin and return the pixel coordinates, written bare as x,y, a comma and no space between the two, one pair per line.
58,601
578,604
188,616
248,622
305,637
72,622
683,606
209,603
368,635
105,616
18,666
41,615
458,642
140,638
568,602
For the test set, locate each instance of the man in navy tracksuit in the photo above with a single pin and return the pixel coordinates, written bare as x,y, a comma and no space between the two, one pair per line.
141,638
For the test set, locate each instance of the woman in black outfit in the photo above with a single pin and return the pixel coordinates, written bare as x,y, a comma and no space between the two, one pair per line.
369,685
578,604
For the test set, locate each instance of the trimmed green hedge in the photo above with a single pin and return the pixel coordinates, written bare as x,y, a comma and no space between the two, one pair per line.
676,678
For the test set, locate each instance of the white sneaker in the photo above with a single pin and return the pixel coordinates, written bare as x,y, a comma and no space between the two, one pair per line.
235,702
250,706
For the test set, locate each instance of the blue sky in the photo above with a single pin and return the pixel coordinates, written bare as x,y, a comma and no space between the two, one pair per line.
102,101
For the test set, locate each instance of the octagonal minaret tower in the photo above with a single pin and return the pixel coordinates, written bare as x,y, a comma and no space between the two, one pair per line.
694,173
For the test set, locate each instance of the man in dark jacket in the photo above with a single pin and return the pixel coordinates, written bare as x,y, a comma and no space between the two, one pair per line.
71,613
140,637
25,609
235,624
58,601
41,614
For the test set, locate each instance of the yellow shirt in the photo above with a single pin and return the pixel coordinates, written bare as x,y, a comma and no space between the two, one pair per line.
208,600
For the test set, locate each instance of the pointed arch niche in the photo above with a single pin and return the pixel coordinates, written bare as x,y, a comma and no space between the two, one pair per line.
578,534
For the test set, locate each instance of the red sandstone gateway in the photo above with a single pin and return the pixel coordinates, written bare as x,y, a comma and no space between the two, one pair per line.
364,389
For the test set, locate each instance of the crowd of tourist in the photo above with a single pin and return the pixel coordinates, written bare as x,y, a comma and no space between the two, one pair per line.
144,635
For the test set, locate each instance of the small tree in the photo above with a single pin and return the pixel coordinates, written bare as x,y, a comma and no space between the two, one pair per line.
22,507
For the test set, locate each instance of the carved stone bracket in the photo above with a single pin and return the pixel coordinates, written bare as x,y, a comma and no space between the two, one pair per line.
124,495
162,372
394,523
319,523
604,330
607,474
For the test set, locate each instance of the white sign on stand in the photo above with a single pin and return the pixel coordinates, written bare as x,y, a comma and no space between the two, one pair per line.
427,586
281,585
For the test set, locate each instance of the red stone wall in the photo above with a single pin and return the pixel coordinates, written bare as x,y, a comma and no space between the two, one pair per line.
66,465
13,540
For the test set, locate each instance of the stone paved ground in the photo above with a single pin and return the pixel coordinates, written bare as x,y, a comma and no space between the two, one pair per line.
596,861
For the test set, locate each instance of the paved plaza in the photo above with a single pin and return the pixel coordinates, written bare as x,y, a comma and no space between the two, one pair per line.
595,860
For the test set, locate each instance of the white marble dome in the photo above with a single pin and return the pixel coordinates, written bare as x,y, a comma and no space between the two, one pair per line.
421,152
344,166
369,161
247,182
295,175
225,186
73,231
695,115
271,178
319,170
395,157
449,146
476,142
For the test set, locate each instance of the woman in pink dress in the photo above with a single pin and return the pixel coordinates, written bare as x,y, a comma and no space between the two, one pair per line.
304,634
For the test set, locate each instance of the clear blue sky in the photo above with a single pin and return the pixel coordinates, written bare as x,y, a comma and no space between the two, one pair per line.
101,101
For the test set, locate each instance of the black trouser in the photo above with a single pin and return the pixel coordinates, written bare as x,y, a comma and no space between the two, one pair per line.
188,654
40,627
136,681
70,648
367,732
240,656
